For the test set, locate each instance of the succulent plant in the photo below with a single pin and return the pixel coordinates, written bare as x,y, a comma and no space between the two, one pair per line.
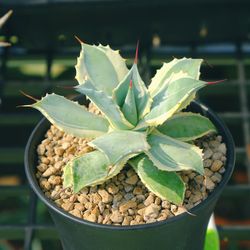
144,127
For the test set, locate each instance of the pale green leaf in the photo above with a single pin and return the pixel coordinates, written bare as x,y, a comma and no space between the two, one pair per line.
104,66
89,170
129,107
180,88
187,126
71,117
67,176
105,104
166,185
142,97
173,155
187,65
120,144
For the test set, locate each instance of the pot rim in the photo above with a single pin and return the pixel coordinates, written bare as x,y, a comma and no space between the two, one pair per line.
227,138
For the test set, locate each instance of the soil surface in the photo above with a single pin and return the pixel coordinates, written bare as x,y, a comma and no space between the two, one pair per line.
123,200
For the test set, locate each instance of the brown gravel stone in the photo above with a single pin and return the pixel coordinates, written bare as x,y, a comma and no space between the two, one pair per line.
209,183
76,213
79,206
196,196
116,217
207,163
222,148
217,164
151,212
68,206
50,171
132,180
137,190
106,197
112,188
208,172
95,198
149,200
42,167
216,177
91,217
54,180
126,205
207,153
127,220
166,204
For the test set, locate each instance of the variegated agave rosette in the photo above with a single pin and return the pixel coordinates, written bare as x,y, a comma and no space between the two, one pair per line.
142,126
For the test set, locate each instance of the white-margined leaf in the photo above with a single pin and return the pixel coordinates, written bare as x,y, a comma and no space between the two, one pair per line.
170,154
89,170
166,185
142,97
104,66
169,100
187,65
105,104
187,126
120,144
71,117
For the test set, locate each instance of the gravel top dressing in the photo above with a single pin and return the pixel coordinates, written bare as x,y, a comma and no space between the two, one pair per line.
122,200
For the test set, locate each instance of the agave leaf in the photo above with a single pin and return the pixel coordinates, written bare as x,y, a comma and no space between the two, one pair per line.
129,106
169,100
120,144
67,176
172,155
142,97
166,185
71,117
187,126
4,18
89,170
105,104
187,65
104,66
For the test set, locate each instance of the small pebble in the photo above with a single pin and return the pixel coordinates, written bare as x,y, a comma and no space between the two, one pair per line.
217,164
149,200
210,185
116,217
106,197
132,180
126,205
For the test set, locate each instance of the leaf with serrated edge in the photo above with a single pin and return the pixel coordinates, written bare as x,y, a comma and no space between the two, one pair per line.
187,126
91,169
105,104
104,66
71,117
169,100
142,97
166,185
119,144
170,154
187,65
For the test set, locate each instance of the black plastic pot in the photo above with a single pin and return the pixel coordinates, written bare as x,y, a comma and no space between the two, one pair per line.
183,232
